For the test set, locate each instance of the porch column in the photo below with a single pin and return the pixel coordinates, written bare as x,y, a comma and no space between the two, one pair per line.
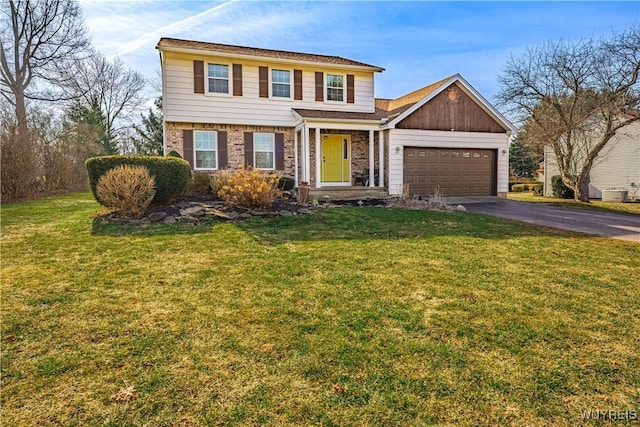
380,160
306,158
317,157
372,160
295,158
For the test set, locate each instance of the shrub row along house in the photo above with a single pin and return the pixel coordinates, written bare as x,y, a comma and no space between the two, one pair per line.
315,118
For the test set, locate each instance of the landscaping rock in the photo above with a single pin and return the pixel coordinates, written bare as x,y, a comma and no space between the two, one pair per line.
305,211
157,216
193,211
461,208
170,220
220,214
285,213
259,213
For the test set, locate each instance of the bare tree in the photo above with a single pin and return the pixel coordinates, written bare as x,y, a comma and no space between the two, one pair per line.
574,97
117,90
36,37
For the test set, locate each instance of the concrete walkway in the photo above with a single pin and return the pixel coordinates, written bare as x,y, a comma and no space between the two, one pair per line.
615,225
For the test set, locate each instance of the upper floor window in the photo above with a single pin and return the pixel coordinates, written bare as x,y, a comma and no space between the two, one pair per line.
335,87
218,78
264,150
206,149
281,83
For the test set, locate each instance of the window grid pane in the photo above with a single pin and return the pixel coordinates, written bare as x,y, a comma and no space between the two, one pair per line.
334,94
205,159
264,160
281,90
219,71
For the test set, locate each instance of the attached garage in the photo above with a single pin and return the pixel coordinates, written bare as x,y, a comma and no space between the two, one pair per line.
448,136
456,171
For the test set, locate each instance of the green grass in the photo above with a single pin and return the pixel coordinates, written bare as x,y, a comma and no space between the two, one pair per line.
596,205
353,316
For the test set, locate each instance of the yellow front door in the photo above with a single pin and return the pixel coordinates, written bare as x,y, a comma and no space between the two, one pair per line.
335,158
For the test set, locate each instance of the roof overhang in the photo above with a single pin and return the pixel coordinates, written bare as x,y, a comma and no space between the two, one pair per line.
336,123
260,58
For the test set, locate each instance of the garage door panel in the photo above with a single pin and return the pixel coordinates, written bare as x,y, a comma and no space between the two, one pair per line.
457,171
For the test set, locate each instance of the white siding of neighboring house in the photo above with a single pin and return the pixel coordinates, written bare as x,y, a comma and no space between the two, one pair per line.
400,138
617,166
182,105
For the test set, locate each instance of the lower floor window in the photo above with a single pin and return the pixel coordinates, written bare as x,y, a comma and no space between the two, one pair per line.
206,149
263,150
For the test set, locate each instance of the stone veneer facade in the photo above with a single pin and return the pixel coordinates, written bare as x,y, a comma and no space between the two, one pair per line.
235,145
235,141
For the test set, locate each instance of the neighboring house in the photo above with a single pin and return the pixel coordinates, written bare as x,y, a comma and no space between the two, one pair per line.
314,117
617,166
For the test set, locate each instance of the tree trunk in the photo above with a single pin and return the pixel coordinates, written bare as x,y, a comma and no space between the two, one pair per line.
581,188
21,113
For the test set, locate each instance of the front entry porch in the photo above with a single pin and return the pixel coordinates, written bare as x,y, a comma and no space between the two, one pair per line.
332,155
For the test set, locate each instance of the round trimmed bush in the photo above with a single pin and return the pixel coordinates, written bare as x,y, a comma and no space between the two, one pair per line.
171,174
127,189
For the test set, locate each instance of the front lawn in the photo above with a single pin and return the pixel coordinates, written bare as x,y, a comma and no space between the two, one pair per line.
353,316
596,205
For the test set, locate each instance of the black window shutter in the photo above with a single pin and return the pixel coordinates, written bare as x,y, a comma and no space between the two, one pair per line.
198,77
319,86
187,146
248,149
263,77
222,150
279,154
297,85
350,89
237,79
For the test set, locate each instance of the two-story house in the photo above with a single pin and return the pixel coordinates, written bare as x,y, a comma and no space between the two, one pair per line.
315,117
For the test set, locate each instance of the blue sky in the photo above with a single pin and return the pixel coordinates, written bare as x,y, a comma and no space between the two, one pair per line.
416,42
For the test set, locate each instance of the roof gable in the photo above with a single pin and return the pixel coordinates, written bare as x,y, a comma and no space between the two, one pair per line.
432,91
166,43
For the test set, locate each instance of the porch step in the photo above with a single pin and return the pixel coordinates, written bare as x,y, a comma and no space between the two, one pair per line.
348,193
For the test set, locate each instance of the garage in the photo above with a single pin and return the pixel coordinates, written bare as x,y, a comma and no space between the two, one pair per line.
458,172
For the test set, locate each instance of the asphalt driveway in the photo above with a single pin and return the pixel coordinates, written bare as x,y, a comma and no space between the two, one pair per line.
614,225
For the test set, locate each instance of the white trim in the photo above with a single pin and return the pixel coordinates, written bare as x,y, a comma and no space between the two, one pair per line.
307,155
317,153
482,102
295,158
380,159
372,160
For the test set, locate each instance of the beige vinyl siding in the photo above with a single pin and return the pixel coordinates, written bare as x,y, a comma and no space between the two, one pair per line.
400,138
182,105
617,166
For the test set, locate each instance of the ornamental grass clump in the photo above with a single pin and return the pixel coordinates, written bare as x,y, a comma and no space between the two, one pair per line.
127,189
248,188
